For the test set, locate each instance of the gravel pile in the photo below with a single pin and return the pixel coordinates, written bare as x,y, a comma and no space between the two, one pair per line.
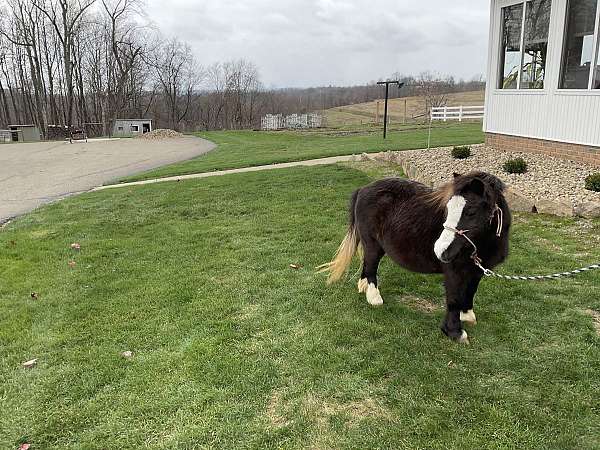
546,179
160,133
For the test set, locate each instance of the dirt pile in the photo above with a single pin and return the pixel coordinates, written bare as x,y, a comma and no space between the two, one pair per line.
160,133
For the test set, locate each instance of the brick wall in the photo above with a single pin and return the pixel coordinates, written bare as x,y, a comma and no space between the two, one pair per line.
575,152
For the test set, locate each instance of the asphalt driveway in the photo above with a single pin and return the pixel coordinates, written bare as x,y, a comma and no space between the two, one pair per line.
33,174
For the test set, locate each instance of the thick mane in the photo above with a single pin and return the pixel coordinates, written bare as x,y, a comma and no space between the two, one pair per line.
439,197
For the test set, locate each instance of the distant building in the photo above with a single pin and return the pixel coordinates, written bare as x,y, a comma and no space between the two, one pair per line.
131,127
278,122
24,133
543,78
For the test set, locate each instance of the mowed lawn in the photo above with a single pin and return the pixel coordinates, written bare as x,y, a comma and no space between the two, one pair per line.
232,348
254,148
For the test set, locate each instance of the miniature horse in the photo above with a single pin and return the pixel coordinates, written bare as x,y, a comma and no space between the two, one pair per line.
448,230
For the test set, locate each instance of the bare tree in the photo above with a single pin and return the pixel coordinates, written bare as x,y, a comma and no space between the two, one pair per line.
177,75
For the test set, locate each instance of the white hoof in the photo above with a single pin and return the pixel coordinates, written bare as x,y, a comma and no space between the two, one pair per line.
468,317
464,338
362,285
373,295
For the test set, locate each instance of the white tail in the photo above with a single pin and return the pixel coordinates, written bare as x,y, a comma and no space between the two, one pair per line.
343,257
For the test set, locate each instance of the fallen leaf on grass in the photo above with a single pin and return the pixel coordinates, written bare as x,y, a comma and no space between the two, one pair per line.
127,354
76,246
451,364
24,446
30,364
34,295
295,266
72,263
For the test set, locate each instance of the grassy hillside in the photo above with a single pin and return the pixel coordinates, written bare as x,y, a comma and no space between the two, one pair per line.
365,112
250,148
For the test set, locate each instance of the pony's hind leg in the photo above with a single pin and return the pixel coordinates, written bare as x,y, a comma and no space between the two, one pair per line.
368,279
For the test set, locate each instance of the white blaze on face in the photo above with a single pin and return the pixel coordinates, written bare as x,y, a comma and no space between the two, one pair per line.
455,208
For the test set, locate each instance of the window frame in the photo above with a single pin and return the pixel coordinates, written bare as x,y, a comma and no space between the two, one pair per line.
500,69
595,57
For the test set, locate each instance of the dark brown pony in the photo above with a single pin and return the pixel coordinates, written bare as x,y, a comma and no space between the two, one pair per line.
429,231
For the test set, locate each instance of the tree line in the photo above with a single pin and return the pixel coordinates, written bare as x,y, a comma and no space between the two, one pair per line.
76,62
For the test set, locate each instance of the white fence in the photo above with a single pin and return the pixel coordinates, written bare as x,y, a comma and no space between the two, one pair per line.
459,113
278,122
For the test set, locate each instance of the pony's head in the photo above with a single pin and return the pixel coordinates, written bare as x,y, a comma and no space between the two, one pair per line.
472,202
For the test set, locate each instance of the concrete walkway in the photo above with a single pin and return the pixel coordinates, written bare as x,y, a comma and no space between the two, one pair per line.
32,174
309,162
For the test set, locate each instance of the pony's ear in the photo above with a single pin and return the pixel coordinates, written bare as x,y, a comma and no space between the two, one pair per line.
476,186
456,175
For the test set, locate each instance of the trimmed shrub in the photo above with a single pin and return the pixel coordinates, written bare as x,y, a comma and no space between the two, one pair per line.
592,182
517,165
462,152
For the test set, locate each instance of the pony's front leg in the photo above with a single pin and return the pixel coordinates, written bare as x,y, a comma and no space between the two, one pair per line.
368,278
456,291
467,315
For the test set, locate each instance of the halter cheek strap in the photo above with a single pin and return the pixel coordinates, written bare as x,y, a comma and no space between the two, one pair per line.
497,212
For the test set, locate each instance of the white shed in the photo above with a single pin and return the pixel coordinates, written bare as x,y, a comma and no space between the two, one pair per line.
543,78
131,127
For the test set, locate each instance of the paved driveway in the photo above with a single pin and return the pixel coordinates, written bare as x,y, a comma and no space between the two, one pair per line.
36,173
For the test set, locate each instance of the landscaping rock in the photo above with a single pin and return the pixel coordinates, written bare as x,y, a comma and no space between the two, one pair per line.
551,185
518,202
588,210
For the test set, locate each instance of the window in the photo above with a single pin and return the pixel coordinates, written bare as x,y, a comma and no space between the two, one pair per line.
135,128
580,51
120,128
525,28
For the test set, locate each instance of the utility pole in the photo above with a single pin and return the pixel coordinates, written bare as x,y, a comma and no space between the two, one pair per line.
385,110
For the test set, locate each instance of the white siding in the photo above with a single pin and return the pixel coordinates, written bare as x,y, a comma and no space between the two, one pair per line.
553,114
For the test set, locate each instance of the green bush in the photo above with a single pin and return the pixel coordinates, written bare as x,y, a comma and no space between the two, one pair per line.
517,165
462,152
592,182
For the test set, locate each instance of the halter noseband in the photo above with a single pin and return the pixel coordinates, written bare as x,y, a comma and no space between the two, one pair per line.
474,256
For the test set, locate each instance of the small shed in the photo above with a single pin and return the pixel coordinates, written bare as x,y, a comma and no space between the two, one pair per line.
24,133
131,127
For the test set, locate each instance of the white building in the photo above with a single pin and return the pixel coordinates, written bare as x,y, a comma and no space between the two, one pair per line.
543,78
131,127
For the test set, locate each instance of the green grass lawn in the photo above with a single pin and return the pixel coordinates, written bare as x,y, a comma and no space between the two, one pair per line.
254,148
235,349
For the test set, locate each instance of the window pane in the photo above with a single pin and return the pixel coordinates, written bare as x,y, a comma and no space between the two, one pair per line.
510,59
537,25
579,44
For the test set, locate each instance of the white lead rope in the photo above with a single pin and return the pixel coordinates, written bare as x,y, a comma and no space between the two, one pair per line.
554,276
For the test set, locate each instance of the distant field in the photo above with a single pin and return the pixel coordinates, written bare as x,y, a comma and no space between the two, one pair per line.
365,112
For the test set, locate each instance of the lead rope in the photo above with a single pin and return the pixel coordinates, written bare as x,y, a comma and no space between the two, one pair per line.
490,273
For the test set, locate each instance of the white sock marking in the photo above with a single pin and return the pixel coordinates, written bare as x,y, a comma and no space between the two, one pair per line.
455,208
468,317
373,295
464,338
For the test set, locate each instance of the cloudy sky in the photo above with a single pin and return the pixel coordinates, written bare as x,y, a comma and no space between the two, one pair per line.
339,42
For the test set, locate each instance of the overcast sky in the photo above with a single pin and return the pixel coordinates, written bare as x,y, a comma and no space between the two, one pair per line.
340,42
